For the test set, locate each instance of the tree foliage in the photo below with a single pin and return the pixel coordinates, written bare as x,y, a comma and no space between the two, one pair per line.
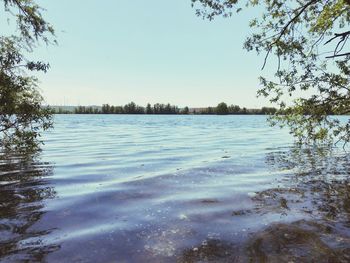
222,109
309,38
160,108
22,115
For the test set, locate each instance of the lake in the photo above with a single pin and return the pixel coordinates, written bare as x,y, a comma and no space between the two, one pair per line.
147,188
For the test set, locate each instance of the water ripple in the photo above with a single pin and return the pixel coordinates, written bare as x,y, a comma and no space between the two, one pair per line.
145,188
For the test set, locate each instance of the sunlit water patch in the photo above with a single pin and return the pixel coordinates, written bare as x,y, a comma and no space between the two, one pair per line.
110,188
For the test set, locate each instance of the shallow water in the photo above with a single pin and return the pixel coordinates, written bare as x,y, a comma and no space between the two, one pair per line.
121,188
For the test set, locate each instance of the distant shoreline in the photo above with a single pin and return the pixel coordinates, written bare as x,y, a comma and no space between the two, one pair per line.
162,109
143,114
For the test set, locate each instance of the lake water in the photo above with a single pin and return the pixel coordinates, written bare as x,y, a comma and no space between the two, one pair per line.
122,188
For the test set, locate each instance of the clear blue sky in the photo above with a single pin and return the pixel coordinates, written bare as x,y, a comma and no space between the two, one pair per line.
147,51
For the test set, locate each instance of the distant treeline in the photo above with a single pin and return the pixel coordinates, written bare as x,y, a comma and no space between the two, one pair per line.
158,108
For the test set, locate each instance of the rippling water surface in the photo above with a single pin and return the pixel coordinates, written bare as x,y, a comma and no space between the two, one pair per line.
120,188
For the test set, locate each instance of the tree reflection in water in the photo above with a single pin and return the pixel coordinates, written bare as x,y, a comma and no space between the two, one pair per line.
23,191
314,203
321,178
